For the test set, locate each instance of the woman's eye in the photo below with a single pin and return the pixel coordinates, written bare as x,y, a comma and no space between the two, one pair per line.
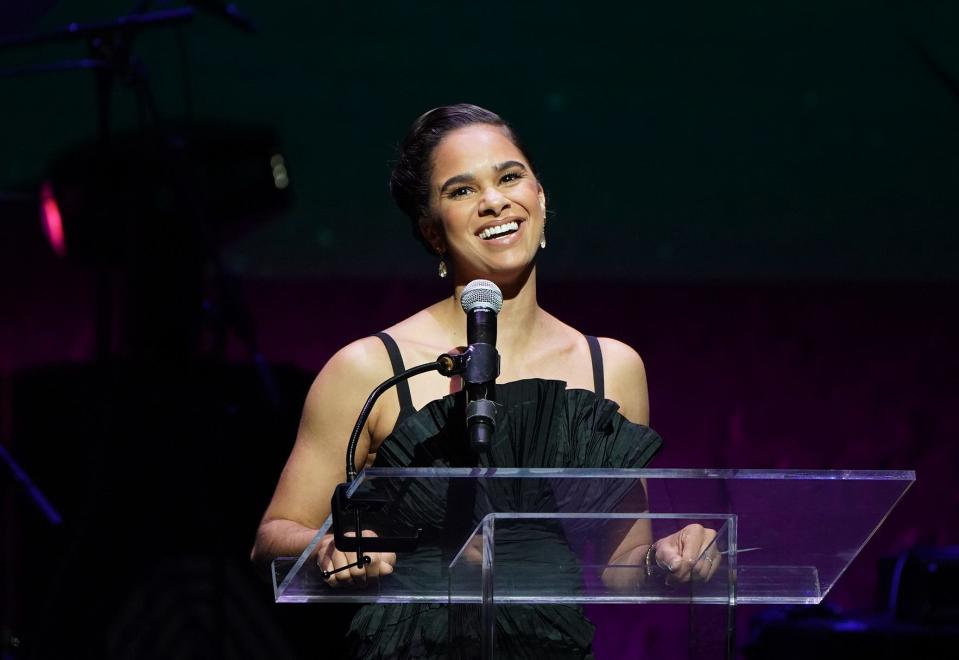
509,177
459,192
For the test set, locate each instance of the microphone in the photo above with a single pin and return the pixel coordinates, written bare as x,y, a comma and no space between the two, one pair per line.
481,300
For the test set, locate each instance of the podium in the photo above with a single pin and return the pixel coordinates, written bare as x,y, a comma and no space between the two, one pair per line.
485,540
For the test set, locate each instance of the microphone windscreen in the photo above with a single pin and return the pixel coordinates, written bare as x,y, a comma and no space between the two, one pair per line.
481,294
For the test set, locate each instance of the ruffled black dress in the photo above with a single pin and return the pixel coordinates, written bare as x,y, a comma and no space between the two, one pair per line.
539,424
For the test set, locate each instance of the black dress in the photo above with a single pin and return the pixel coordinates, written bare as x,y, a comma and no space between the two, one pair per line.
540,424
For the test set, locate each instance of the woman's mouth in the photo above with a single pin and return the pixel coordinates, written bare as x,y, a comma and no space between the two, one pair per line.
498,231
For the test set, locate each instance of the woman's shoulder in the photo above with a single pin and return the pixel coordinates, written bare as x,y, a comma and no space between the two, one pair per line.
620,355
363,355
353,370
625,378
370,354
616,354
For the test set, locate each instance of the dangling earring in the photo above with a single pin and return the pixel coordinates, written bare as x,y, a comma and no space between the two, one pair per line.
542,234
442,271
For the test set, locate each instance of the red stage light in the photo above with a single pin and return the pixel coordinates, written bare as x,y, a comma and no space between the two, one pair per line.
52,220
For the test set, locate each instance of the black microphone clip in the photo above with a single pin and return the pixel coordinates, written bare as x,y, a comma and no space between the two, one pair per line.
482,370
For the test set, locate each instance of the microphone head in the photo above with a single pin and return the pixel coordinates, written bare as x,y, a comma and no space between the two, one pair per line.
481,294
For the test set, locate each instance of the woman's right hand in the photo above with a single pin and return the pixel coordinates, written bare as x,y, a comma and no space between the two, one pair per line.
688,554
328,558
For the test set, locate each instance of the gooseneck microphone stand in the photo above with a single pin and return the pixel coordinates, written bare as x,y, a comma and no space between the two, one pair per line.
342,506
448,365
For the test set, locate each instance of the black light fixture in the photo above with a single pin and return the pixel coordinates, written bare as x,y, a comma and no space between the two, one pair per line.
201,183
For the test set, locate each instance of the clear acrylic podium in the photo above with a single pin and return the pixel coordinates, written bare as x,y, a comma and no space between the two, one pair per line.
489,539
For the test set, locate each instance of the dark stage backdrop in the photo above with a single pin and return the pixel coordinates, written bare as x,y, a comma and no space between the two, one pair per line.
682,141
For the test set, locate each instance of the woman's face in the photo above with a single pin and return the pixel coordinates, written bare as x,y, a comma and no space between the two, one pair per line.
488,208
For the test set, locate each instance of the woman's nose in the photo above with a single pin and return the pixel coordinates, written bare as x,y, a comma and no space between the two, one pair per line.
492,202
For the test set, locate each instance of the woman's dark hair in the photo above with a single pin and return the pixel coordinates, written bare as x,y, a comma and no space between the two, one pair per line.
410,180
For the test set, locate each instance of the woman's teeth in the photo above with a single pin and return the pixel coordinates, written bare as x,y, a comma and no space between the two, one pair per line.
499,230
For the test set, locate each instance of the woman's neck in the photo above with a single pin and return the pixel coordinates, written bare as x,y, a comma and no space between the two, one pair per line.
516,323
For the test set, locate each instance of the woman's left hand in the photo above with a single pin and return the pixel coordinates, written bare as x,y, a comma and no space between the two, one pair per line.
677,554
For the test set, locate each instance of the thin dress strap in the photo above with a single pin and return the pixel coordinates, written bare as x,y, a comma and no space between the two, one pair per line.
596,357
403,387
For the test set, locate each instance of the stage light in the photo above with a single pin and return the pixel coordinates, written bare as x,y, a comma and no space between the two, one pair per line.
202,182
281,178
51,220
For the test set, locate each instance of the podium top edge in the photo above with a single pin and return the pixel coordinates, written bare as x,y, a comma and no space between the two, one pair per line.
596,473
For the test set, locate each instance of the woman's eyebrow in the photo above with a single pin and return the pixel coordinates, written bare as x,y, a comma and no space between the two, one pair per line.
459,178
506,164
468,176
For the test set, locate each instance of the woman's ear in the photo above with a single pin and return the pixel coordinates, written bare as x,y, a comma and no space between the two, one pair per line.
542,198
431,232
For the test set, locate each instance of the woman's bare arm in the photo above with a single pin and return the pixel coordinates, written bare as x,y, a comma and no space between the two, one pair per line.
301,501
626,385
677,553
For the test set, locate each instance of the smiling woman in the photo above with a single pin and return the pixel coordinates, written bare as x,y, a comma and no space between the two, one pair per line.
483,188
472,195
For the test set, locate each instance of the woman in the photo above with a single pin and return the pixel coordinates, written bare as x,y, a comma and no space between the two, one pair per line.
475,202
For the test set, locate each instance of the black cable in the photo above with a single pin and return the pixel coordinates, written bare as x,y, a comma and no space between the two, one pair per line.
368,407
